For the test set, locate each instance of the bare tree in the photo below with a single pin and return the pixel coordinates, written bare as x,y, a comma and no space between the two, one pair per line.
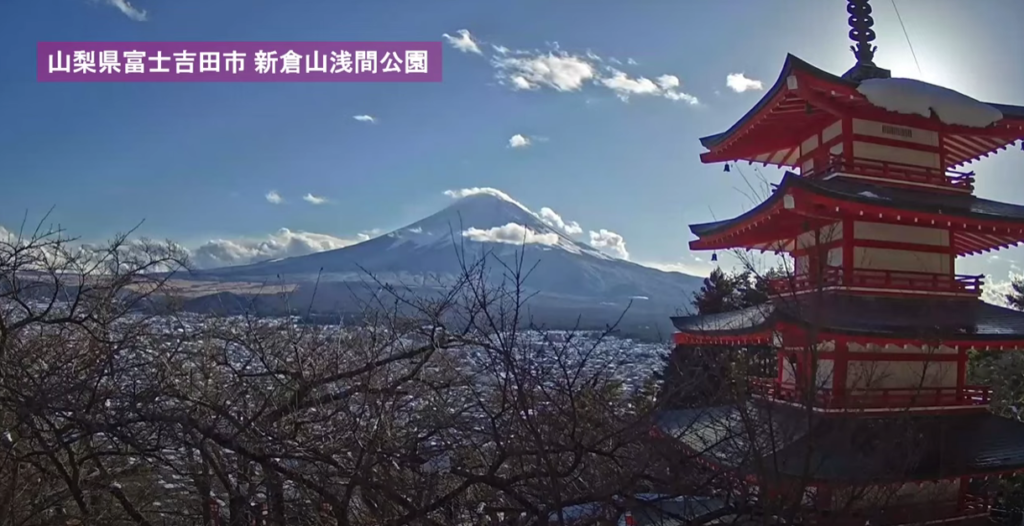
117,407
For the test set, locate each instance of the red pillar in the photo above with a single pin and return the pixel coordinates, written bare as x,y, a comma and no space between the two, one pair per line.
848,139
961,374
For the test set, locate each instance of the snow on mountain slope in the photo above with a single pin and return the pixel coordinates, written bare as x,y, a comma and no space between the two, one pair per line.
428,252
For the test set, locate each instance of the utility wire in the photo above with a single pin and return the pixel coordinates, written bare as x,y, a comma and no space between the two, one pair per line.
907,35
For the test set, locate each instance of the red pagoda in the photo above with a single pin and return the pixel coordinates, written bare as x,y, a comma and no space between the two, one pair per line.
873,327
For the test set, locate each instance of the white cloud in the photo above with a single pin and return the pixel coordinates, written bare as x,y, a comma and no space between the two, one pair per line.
518,141
663,86
562,71
559,71
511,233
463,42
274,198
680,267
554,220
546,215
312,199
609,242
623,86
281,244
994,291
129,10
519,83
365,118
680,96
739,83
667,82
369,234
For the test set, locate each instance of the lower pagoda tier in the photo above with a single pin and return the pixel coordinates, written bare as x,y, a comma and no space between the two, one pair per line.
837,352
896,320
877,467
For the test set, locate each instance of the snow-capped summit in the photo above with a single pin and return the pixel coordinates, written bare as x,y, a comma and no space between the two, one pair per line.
485,224
488,216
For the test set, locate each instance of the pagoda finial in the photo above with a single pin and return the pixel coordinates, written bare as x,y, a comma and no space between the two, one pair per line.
861,32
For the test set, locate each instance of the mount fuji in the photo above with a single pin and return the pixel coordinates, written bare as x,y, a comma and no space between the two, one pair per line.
568,278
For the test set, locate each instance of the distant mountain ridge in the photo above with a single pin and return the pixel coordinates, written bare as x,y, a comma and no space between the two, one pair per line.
427,254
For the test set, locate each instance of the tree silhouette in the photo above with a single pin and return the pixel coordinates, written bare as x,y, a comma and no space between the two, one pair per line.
696,375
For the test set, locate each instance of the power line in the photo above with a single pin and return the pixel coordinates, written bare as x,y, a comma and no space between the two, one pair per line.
907,35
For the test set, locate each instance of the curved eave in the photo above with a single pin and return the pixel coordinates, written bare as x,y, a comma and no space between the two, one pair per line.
792,63
750,326
833,95
707,231
861,319
909,321
933,204
1010,113
979,224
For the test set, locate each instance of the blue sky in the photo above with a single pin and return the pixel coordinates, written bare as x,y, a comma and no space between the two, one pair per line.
196,161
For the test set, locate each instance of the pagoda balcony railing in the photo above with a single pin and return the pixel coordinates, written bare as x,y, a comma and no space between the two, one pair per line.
833,277
896,172
873,398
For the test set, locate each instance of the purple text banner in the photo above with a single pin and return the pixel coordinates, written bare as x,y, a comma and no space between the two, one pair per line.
238,62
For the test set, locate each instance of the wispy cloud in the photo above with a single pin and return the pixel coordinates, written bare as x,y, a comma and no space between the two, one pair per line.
284,243
562,71
610,243
316,200
553,219
663,86
559,71
369,234
463,42
995,290
511,233
274,198
365,118
739,83
129,10
518,141
698,269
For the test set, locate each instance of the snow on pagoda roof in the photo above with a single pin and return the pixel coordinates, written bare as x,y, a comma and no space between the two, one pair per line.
771,131
911,96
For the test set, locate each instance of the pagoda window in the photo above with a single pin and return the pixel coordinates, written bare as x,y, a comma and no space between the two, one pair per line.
871,258
901,233
901,375
893,154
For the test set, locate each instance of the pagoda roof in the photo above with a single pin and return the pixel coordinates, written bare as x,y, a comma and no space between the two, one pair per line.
805,98
917,447
771,96
953,321
987,224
